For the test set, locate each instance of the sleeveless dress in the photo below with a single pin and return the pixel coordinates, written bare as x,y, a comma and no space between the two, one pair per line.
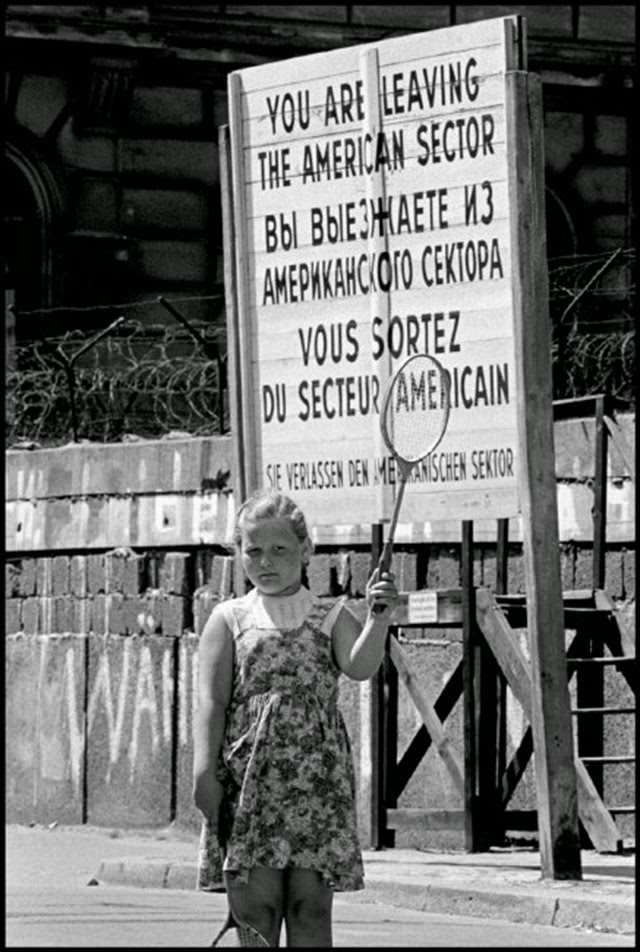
285,763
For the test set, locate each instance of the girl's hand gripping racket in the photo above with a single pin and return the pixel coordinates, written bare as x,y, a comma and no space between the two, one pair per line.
413,420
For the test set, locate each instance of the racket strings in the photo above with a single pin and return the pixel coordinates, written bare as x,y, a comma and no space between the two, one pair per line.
416,408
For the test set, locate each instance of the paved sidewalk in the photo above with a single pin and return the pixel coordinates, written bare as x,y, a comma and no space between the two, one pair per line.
500,884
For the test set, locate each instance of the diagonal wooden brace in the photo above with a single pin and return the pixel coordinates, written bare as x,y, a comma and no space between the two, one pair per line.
430,719
500,638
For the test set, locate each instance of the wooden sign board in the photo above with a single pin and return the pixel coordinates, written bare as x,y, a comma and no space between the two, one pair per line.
372,215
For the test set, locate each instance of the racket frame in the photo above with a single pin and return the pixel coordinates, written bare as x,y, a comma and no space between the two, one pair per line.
405,466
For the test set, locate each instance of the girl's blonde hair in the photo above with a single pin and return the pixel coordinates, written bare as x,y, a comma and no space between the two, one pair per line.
270,504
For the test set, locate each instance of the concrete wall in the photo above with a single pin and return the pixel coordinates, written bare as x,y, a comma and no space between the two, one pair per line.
115,557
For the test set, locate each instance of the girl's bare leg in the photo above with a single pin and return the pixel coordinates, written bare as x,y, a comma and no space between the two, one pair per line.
307,909
259,902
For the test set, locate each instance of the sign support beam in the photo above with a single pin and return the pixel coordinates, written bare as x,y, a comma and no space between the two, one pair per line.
551,715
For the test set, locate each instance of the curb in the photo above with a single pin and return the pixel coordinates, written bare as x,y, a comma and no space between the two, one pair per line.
598,915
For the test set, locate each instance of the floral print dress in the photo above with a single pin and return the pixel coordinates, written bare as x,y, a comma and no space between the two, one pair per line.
285,762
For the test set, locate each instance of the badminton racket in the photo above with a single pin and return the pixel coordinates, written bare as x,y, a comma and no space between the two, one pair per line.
413,420
210,879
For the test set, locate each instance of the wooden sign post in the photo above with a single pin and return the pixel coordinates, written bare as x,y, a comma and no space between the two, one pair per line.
383,206
551,713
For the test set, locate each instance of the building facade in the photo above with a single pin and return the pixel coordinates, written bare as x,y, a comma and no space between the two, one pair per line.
112,129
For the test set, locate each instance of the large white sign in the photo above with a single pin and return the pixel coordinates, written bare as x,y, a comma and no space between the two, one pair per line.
372,214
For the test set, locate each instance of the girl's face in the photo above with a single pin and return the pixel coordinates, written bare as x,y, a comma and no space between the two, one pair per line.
273,556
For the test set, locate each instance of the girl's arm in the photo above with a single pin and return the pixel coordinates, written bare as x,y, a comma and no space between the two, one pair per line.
359,650
215,679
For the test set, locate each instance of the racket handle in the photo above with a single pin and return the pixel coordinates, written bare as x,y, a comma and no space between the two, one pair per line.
384,563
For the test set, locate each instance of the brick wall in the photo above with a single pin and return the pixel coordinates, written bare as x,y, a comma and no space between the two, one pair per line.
101,645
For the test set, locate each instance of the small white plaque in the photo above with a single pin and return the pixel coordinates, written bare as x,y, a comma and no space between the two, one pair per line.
422,607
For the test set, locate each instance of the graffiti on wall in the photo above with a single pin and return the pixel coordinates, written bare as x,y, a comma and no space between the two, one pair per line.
129,687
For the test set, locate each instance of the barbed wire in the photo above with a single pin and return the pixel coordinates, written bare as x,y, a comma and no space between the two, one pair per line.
591,303
147,380
143,380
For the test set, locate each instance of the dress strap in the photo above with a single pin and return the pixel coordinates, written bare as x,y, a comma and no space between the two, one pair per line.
235,610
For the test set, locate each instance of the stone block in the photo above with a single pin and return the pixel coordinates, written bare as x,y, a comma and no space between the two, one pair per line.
115,623
12,616
617,690
164,106
477,565
11,579
44,576
174,573
583,572
567,573
597,23
221,575
515,571
114,568
28,577
45,687
186,699
619,789
21,704
419,16
130,730
489,567
341,568
360,572
133,614
174,615
60,575
96,578
98,615
599,183
151,611
444,568
45,616
614,573
78,577
404,566
134,574
336,13
611,135
563,138
319,574
31,616
80,616
204,601
62,614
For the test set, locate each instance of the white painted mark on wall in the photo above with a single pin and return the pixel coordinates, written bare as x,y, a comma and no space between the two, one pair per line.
76,726
102,688
145,700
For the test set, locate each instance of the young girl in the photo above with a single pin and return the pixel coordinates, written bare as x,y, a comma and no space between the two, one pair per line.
272,763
